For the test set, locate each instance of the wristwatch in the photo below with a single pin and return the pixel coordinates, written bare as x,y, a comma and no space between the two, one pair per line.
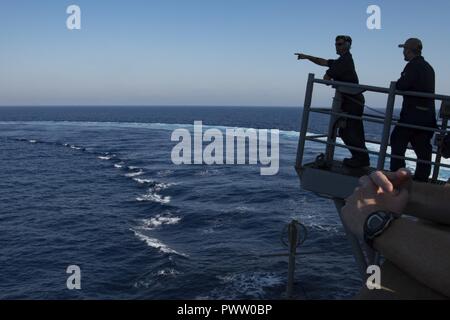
376,223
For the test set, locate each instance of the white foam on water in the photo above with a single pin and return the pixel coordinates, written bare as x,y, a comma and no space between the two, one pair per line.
155,243
162,186
153,197
144,125
155,277
119,165
158,221
143,181
134,174
290,135
32,141
107,157
170,272
323,227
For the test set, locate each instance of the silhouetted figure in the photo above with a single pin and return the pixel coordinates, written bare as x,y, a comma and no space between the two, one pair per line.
343,69
418,75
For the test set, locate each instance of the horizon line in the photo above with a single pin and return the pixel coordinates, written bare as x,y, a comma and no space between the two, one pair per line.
156,105
148,106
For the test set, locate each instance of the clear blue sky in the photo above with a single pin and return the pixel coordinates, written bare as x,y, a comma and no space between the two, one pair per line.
203,52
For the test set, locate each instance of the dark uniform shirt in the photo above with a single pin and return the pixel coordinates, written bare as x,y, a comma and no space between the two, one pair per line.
343,69
419,76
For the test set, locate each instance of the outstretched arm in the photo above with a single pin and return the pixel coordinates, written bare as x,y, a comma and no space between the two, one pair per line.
316,60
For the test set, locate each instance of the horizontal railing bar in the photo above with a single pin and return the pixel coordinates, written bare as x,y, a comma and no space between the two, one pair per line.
352,85
340,145
384,90
318,136
367,141
412,126
433,163
327,110
369,119
439,97
346,115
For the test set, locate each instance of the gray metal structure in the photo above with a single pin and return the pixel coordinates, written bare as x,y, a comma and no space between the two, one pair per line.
328,177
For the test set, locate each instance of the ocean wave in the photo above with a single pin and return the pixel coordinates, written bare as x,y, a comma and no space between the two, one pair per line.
134,174
335,229
162,186
158,221
320,222
169,272
119,165
107,157
155,243
245,285
153,197
55,143
145,125
207,172
152,194
164,173
154,277
169,126
239,210
143,181
290,135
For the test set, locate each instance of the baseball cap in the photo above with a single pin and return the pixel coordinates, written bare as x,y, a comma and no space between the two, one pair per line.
412,43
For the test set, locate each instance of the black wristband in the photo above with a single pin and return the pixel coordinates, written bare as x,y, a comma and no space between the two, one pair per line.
375,224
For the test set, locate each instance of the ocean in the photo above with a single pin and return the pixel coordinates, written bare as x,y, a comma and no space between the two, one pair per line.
95,187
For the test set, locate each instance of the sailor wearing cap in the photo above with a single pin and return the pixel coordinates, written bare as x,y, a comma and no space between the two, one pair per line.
419,76
343,69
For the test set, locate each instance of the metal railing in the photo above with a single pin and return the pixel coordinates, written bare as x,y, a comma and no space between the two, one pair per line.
364,256
336,113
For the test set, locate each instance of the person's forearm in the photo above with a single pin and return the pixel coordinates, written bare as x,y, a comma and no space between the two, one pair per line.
429,201
422,251
318,61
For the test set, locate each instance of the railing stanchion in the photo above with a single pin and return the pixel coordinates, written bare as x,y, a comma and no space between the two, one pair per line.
437,165
387,126
305,120
331,138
